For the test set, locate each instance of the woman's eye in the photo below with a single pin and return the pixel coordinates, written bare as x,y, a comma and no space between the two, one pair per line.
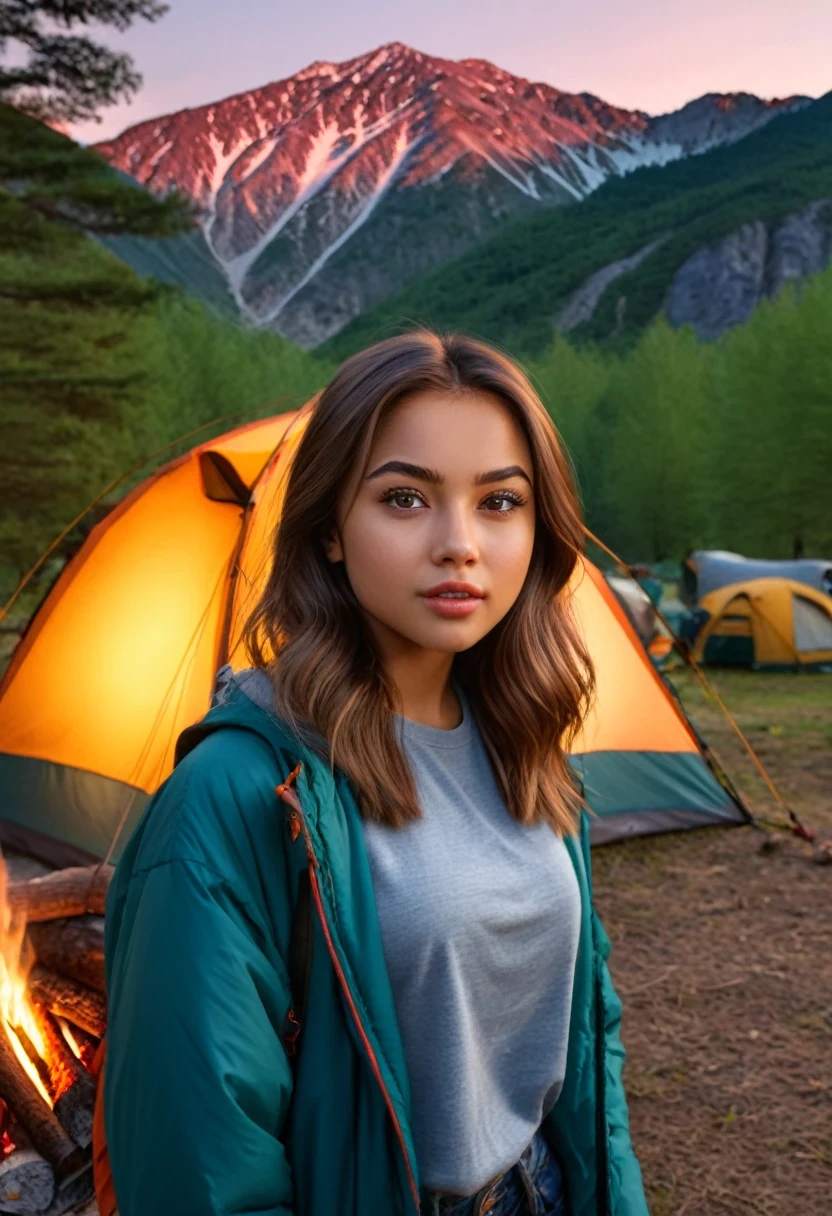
504,503
405,500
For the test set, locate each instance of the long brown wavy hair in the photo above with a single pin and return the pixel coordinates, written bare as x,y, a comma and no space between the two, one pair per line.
529,680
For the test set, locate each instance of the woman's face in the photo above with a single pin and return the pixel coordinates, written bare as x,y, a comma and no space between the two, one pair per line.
447,498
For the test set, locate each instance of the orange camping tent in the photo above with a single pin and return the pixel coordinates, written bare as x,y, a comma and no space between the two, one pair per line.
122,654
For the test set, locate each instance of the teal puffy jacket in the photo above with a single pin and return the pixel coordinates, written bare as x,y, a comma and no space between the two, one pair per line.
202,1113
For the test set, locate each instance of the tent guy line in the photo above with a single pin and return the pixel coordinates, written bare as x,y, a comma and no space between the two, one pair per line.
797,827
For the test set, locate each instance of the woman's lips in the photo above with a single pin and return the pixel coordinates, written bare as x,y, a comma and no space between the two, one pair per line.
450,606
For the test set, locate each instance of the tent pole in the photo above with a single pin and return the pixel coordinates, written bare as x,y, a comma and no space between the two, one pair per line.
224,647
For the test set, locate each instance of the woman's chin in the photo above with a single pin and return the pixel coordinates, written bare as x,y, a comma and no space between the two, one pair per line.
450,636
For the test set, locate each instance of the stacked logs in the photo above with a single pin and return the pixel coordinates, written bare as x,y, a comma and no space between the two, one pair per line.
45,1151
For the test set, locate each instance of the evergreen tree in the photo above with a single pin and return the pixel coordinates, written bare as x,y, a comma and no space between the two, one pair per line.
62,181
773,442
572,383
67,77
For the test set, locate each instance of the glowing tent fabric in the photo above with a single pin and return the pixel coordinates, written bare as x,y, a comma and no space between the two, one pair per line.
122,654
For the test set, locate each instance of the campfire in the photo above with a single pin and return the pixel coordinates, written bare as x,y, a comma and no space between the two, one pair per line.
52,1016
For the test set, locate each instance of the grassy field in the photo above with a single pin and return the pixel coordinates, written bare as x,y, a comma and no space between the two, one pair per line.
721,953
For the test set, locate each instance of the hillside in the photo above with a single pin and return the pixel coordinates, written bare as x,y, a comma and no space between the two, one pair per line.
323,194
98,367
511,287
182,260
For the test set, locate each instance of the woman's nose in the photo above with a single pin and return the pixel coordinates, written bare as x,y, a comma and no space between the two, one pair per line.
456,539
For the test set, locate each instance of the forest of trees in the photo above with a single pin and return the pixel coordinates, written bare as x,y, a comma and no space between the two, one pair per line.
682,444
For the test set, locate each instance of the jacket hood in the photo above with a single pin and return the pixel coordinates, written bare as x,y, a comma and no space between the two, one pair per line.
244,699
251,681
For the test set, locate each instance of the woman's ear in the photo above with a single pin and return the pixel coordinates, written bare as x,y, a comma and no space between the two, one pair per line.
332,546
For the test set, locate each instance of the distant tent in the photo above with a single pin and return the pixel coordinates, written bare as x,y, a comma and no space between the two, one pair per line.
122,655
637,605
767,623
706,570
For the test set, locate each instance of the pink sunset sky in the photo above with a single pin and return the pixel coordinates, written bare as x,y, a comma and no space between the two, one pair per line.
652,55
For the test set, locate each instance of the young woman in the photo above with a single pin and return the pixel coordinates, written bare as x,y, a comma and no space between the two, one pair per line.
396,750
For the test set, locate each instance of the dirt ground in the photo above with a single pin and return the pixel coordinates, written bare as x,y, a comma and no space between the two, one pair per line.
722,954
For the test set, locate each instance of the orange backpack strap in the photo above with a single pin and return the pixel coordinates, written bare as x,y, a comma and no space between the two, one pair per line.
102,1174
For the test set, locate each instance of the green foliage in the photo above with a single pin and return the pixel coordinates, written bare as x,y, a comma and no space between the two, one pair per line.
509,288
62,181
67,77
206,367
680,444
775,376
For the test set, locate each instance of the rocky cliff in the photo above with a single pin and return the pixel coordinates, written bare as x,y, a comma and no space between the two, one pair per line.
721,284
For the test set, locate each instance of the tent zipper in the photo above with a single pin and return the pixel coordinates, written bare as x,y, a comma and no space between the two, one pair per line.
297,821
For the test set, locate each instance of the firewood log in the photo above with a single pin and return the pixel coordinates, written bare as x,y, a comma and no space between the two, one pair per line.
27,1182
73,947
69,1195
68,999
35,1117
71,892
40,1066
71,1087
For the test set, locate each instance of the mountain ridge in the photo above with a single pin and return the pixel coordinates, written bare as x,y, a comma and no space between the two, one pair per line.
322,194
514,287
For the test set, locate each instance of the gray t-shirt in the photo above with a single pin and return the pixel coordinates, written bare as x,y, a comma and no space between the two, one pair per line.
479,918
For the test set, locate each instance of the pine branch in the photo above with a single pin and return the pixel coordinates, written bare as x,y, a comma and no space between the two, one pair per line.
68,77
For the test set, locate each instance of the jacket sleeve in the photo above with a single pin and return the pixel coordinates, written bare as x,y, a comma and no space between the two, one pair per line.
626,1187
197,1083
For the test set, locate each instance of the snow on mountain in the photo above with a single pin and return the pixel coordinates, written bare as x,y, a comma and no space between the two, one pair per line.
321,194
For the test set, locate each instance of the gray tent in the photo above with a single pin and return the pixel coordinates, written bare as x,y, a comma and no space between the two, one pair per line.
636,603
705,570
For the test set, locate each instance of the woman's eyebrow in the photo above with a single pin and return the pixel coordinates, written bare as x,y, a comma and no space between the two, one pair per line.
431,475
511,470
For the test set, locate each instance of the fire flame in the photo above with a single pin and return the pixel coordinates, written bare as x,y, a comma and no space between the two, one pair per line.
15,1007
66,1031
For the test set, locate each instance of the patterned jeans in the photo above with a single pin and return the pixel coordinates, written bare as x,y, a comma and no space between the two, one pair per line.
533,1186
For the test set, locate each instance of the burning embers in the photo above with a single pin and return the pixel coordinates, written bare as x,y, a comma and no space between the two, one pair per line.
52,1016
